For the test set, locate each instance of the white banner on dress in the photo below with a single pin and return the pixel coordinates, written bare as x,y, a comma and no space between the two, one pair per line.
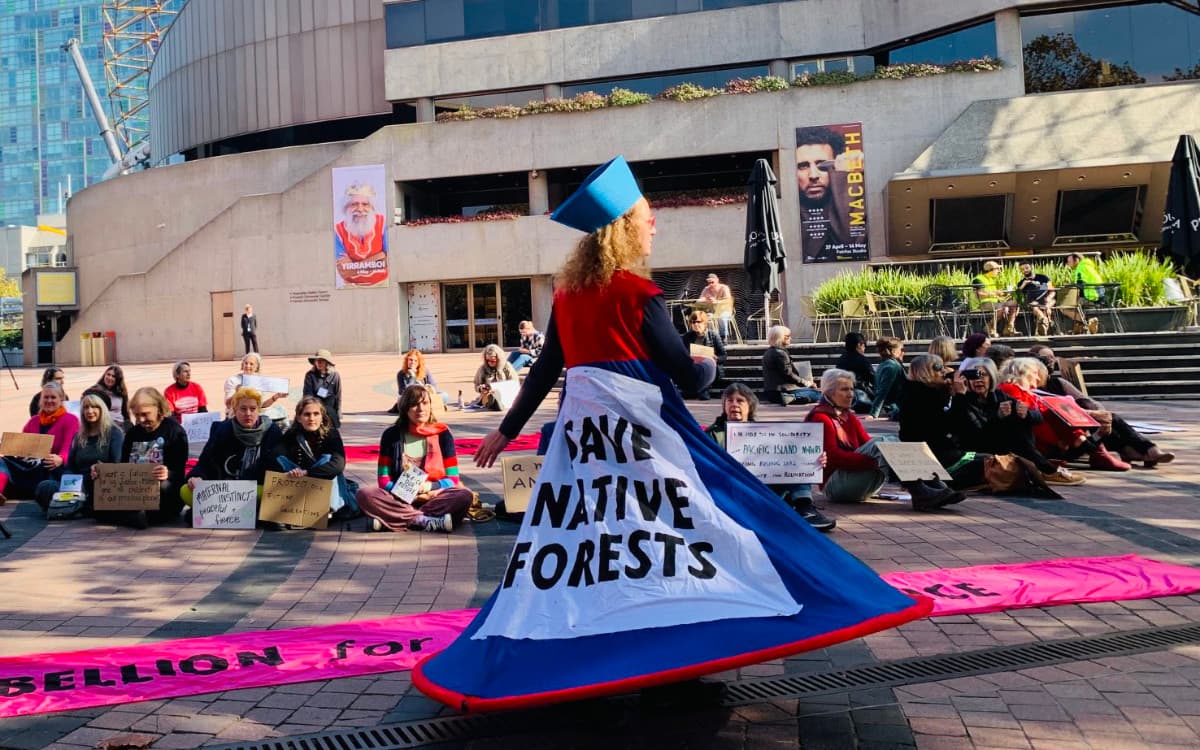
621,533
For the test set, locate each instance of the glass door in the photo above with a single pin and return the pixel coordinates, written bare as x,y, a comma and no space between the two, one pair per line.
485,304
457,315
479,313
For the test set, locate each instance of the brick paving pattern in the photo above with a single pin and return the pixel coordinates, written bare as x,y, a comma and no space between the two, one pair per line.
77,585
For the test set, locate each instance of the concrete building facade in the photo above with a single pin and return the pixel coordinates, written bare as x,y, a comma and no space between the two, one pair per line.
168,255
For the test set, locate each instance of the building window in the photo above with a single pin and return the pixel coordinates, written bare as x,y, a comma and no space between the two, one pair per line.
1111,46
963,44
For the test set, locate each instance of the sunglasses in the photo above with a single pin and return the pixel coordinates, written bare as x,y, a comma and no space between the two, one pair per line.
938,368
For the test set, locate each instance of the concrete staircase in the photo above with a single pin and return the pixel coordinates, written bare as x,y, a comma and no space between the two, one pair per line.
1115,366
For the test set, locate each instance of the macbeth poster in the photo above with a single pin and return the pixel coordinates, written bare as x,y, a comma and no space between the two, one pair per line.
833,198
359,227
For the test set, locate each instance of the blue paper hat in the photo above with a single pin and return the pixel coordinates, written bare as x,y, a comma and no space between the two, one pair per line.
603,197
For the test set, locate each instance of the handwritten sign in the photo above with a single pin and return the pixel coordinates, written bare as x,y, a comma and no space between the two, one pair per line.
408,485
912,461
297,501
26,444
700,350
520,474
265,385
197,426
126,487
778,452
224,504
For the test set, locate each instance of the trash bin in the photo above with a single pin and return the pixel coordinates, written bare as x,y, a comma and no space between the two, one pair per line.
85,350
98,348
110,347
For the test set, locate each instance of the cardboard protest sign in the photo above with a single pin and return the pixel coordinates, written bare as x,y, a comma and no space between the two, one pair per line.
197,426
225,504
912,461
505,392
700,350
297,501
520,474
266,385
126,487
778,452
804,370
408,485
26,444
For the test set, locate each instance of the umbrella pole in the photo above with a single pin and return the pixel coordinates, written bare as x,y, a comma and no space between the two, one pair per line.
766,313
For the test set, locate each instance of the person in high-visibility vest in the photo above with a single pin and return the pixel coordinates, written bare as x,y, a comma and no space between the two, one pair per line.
992,297
1087,277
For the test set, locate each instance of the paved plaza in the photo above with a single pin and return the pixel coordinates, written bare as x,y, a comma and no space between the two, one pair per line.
74,585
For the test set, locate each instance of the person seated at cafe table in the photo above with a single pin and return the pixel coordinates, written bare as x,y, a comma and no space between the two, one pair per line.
992,298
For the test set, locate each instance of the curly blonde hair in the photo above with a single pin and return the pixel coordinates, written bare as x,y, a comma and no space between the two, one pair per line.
602,253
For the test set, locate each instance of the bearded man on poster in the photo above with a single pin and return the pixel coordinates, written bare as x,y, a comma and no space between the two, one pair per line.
360,240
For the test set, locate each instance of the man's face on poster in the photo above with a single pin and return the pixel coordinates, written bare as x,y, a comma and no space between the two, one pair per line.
814,181
360,215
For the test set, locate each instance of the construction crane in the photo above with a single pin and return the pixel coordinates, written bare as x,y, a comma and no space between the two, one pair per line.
132,32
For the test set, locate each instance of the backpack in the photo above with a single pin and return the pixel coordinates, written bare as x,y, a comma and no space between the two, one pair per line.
1008,473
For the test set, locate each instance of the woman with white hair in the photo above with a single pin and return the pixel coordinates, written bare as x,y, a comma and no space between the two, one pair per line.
252,365
782,383
856,468
1019,378
494,369
987,420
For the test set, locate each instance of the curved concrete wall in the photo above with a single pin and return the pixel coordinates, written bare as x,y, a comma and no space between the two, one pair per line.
229,67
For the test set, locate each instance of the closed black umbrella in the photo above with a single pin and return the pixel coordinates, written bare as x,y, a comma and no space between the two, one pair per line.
765,256
1181,219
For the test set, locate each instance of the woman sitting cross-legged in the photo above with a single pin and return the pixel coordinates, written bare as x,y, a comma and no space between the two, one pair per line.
20,476
739,404
417,441
1019,378
494,369
312,447
153,439
856,468
924,419
782,384
239,448
987,420
98,440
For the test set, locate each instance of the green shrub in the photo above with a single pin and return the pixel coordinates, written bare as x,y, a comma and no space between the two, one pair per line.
1141,275
830,78
620,97
11,339
500,112
465,112
686,92
756,84
586,100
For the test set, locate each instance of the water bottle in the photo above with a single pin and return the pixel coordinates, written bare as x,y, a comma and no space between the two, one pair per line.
460,401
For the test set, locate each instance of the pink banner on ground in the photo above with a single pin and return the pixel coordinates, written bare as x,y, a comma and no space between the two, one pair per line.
992,588
43,683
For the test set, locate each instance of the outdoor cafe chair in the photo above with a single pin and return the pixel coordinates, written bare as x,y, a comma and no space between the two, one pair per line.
887,309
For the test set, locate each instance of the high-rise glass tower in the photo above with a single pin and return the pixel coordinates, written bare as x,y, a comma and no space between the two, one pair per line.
48,137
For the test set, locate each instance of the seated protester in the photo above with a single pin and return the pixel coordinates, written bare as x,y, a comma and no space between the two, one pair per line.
999,354
1117,434
943,347
154,439
889,378
976,345
252,365
532,341
325,382
493,370
184,396
856,468
98,441
854,360
243,447
925,418
20,475
739,404
416,440
312,447
986,420
112,383
782,383
1019,379
700,334
49,375
414,372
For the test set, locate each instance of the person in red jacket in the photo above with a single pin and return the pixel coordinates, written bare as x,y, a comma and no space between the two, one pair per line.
856,468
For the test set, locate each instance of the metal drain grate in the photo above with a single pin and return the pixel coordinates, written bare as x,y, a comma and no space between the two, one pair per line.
892,674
